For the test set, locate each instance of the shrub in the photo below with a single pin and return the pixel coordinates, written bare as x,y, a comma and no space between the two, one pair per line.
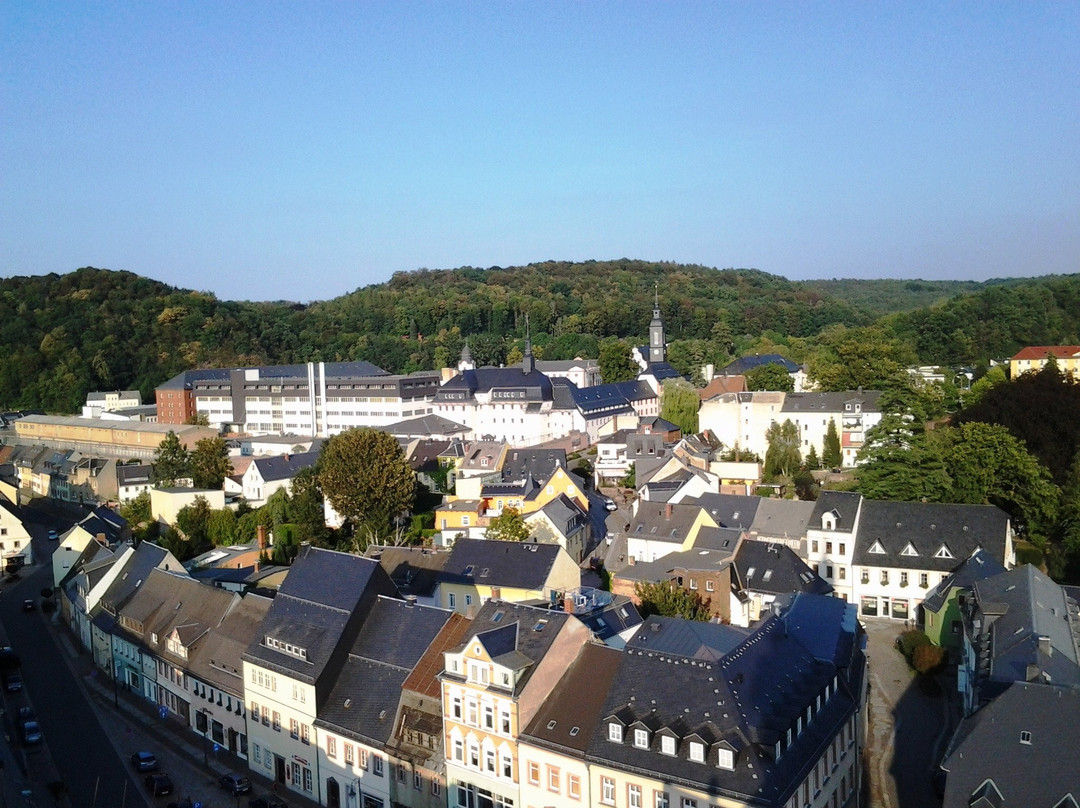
910,641
927,658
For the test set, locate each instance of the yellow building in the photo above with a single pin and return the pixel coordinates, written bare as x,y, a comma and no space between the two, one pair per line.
1036,357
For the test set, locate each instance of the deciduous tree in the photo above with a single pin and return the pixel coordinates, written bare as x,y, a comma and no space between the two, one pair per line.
507,526
680,405
171,461
616,364
209,463
668,600
771,377
783,457
366,478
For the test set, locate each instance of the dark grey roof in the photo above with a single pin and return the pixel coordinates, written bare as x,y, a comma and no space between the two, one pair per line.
660,570
397,632
661,371
782,519
1019,609
540,463
721,539
1037,769
663,522
844,505
731,510
103,520
284,467
430,425
978,566
533,386
745,363
774,568
137,567
832,402
732,703
332,370
688,638
319,608
135,474
521,565
927,536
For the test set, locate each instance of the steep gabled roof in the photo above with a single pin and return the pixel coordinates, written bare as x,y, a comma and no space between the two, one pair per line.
977,567
517,565
1045,351
284,467
771,567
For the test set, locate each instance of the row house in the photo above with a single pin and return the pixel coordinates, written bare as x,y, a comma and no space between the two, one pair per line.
493,685
15,547
356,724
291,667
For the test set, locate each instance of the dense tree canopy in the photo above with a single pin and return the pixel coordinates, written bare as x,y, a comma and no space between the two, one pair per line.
668,600
172,461
507,526
364,475
771,377
680,405
209,463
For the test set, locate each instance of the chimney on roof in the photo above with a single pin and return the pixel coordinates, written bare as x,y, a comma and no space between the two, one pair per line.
568,604
632,560
1045,648
667,510
258,567
286,457
410,601
260,533
1032,673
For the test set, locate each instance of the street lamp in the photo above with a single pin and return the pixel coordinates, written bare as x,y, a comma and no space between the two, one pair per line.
206,728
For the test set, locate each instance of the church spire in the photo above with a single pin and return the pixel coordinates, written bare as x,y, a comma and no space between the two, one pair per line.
528,363
657,342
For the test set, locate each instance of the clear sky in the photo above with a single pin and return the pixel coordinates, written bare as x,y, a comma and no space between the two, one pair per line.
300,150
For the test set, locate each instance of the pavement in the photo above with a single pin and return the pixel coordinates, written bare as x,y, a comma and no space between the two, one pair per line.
911,720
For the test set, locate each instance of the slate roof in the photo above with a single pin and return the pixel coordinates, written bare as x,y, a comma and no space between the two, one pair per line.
899,528
534,386
731,510
530,644
136,566
540,463
745,363
568,717
332,370
429,425
661,371
519,565
663,522
106,521
978,566
219,658
774,568
1018,608
844,505
693,639
139,474
284,467
424,678
397,632
744,701
1035,773
694,559
314,610
831,402
782,519
414,570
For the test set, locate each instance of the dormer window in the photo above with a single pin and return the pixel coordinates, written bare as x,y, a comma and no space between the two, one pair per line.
697,752
909,550
726,759
614,732
641,739
877,549
943,552
1025,737
667,744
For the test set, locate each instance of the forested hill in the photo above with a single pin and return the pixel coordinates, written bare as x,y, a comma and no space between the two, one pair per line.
95,329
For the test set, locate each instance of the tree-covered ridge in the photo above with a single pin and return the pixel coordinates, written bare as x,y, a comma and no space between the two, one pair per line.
95,329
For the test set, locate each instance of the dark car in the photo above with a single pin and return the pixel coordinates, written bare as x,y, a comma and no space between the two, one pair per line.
28,605
159,785
144,761
269,801
31,732
12,682
53,535
26,714
235,783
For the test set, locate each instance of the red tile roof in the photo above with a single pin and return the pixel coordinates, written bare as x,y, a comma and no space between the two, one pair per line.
1043,351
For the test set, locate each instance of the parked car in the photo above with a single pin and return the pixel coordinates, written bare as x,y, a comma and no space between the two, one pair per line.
28,605
609,504
53,535
269,801
13,682
144,761
26,714
31,732
159,785
235,783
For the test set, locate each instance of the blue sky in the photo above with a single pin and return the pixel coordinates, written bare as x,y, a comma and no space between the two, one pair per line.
298,151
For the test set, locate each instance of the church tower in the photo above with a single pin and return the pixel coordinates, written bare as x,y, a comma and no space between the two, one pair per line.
657,345
466,361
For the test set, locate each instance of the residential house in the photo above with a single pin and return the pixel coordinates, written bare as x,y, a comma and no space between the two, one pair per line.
1035,357
854,413
830,549
657,529
16,549
109,401
939,615
904,548
292,667
785,521
267,475
706,572
611,617
356,723
692,719
166,503
562,521
1019,626
101,525
766,572
479,570
744,364
552,747
1020,749
133,479
414,570
493,685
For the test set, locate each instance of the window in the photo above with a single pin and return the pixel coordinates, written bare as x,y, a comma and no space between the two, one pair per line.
534,773
305,731
489,760
693,583
266,716
364,757
489,712
842,573
459,750
633,794
277,721
553,779
468,600
256,754
294,728
507,766
504,715
455,707
331,746
641,739
402,773
843,549
689,803
697,752
436,789
814,546
607,791
1025,737
661,799
418,781
726,759
828,547
452,600
865,577
667,745
903,579
348,754
307,779
924,580
377,766
828,571
884,577
614,732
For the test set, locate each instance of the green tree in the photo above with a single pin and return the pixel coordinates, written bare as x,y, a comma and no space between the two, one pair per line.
806,487
770,377
221,527
616,364
364,475
783,457
984,384
137,510
171,461
900,465
848,358
209,463
680,405
668,600
198,419
812,461
831,454
194,522
307,506
507,526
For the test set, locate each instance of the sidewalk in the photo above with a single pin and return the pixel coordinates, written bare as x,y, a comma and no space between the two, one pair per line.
125,715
